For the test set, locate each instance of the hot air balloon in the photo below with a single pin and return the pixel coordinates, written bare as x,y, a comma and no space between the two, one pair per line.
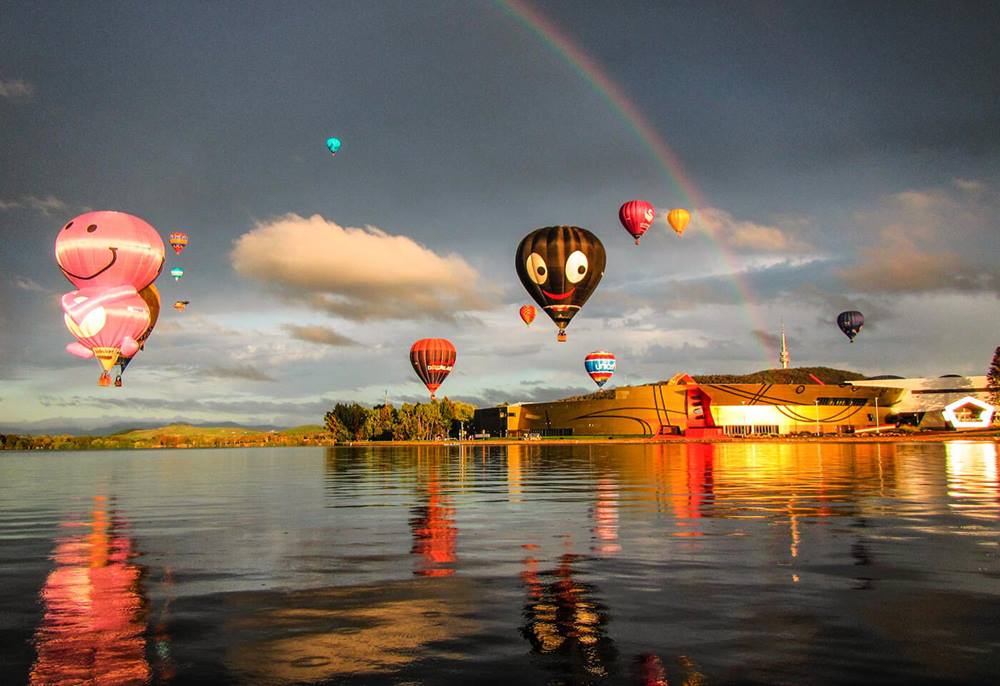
177,273
106,322
850,322
600,364
333,145
678,220
560,266
100,249
636,216
151,296
179,305
178,241
527,314
432,360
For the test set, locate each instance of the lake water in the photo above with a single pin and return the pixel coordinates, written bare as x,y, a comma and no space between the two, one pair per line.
625,564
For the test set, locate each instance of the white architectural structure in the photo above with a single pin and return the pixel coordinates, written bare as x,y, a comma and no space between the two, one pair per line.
969,413
925,399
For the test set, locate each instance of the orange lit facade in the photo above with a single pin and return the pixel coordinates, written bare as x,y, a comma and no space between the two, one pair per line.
683,407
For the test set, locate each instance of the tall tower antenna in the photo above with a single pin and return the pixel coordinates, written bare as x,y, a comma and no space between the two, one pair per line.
783,356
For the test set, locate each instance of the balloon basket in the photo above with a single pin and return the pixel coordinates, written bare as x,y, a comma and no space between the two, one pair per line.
561,336
118,381
637,241
105,380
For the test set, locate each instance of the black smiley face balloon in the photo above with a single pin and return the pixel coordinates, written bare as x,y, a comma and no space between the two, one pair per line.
560,266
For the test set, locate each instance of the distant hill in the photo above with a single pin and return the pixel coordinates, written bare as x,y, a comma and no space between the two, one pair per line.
224,430
794,375
92,427
178,435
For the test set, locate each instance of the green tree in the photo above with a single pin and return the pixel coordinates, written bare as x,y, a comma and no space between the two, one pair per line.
381,421
420,422
993,380
347,422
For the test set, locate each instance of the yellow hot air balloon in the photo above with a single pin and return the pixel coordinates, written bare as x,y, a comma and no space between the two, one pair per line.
678,220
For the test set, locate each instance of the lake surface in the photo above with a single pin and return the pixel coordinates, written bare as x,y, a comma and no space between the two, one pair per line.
621,564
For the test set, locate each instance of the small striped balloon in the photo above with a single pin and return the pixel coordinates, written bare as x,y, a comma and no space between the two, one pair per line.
432,360
636,217
527,314
178,241
600,364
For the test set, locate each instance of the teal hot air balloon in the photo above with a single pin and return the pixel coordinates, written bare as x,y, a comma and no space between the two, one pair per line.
333,145
177,273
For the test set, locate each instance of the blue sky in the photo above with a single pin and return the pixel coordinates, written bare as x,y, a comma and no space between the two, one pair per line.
847,155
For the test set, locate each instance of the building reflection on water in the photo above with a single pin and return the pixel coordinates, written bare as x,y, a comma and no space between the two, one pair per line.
94,621
793,509
973,485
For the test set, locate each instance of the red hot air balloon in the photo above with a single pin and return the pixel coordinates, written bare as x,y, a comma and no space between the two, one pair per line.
178,241
432,360
527,314
102,249
636,216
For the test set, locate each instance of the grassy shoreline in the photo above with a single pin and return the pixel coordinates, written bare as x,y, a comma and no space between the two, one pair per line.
182,437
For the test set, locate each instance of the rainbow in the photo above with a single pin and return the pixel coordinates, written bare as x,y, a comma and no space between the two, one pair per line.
592,72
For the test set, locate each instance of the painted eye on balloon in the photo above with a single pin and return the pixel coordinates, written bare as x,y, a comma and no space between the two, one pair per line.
92,228
67,226
576,267
537,271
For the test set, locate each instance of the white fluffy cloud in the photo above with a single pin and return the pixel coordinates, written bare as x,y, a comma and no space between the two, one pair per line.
357,273
926,240
740,234
16,89
46,205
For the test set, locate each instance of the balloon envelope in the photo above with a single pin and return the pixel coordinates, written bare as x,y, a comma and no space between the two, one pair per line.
179,305
560,266
177,273
151,296
333,145
600,364
102,249
636,217
850,322
678,220
527,313
432,360
106,321
178,241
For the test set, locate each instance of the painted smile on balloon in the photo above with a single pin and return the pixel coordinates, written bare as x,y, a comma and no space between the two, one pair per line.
114,258
560,296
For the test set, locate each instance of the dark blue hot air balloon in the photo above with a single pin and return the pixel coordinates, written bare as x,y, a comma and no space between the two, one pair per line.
850,322
333,145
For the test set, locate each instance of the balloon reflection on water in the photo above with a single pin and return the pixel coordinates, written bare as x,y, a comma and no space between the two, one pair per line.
93,626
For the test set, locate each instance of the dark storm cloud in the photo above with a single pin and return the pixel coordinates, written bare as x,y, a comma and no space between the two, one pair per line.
462,131
319,334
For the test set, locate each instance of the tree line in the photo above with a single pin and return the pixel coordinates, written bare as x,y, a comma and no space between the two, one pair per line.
411,422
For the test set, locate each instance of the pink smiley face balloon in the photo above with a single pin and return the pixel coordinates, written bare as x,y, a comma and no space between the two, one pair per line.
100,249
